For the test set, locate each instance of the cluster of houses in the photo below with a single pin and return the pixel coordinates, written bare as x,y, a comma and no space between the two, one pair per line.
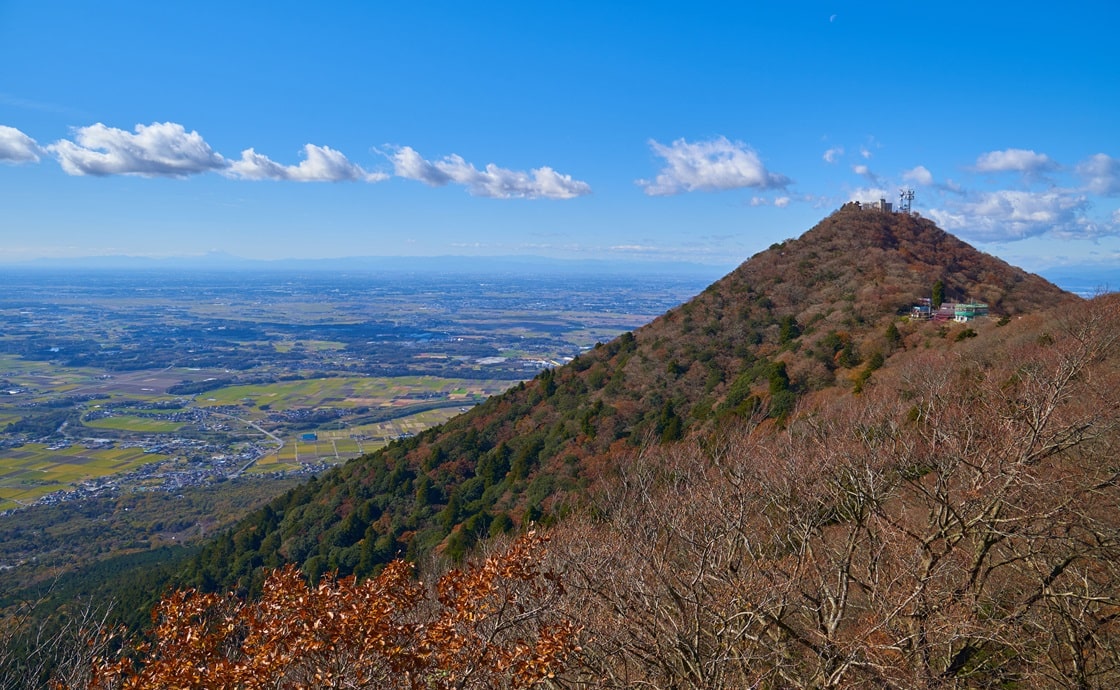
961,312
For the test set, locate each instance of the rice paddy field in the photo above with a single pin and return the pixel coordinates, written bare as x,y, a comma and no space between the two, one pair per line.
370,412
35,469
137,423
312,345
177,400
339,445
351,392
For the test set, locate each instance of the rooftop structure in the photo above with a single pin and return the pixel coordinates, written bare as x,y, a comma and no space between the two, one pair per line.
880,205
967,311
960,312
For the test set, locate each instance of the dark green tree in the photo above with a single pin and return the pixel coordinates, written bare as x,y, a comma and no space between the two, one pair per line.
669,424
789,329
894,338
779,379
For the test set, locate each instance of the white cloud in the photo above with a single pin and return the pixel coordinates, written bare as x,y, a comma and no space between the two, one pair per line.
833,154
777,202
1014,160
865,152
409,164
869,194
493,182
1101,174
919,175
158,150
714,165
17,147
320,164
865,172
1008,215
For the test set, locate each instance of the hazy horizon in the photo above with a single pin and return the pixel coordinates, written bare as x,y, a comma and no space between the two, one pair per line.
578,131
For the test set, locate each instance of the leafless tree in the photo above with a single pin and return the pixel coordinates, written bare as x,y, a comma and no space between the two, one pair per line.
957,525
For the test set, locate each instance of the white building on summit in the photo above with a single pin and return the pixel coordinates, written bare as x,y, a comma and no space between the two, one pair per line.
880,205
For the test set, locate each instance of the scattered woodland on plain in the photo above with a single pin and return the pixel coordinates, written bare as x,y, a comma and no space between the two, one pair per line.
783,483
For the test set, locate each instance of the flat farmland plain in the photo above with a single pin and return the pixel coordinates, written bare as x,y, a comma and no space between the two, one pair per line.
231,373
116,386
353,392
35,469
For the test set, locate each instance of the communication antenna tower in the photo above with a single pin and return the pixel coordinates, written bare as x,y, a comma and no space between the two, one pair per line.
905,196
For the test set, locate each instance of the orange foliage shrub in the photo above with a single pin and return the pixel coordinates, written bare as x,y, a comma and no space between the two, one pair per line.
490,626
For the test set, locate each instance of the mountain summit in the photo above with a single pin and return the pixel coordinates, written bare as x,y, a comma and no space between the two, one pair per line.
815,316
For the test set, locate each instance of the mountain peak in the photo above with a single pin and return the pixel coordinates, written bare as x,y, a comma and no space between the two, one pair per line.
813,316
883,261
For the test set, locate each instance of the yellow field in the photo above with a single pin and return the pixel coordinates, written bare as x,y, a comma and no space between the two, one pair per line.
333,446
34,470
349,392
312,345
135,423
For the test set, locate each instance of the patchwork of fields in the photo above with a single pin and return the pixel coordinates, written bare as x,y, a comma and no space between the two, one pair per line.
139,435
113,382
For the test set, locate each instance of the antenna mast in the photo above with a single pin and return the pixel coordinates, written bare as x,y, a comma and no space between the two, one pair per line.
905,196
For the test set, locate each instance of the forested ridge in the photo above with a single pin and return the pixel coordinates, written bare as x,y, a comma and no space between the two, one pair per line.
784,482
811,315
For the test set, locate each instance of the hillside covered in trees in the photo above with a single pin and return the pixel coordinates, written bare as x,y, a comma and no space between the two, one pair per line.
811,317
785,482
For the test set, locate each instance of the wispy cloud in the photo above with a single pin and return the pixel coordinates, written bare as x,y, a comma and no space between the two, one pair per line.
320,164
833,154
1014,160
492,182
919,175
41,106
715,165
17,147
866,173
1101,174
865,194
158,150
778,202
1008,215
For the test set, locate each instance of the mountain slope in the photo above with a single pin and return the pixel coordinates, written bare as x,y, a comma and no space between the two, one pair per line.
809,318
953,526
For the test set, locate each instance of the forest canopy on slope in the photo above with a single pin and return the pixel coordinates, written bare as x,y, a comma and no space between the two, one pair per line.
953,525
815,316
783,482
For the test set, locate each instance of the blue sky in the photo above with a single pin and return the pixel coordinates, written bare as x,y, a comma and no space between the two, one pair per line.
700,132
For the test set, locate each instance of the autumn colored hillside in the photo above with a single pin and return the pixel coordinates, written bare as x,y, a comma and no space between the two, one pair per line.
811,317
785,482
953,525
